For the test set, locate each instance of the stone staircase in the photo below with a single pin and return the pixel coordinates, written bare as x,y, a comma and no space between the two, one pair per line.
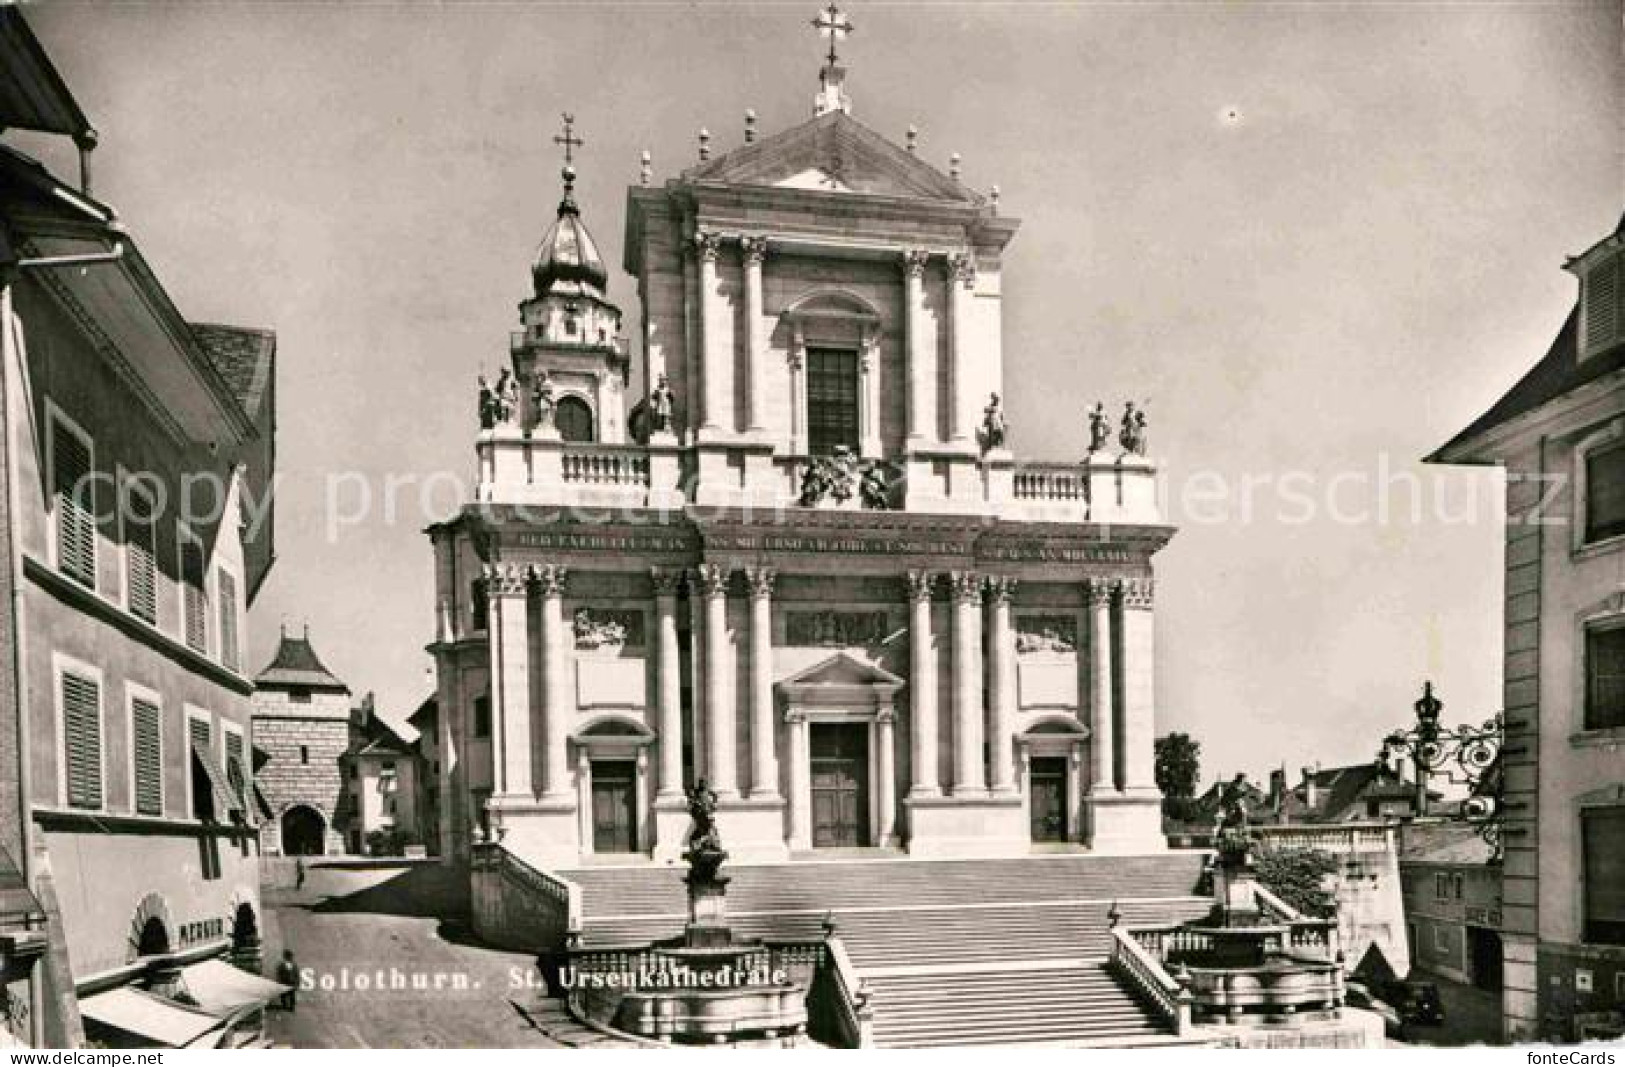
954,952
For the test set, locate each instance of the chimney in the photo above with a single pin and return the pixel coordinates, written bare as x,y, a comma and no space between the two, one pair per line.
1311,794
1277,788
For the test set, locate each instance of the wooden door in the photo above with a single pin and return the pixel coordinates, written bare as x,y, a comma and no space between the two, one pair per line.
614,806
1047,792
840,785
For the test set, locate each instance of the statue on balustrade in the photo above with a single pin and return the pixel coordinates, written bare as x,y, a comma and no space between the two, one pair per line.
505,397
1232,833
1100,429
993,424
661,404
1132,438
488,404
875,490
541,399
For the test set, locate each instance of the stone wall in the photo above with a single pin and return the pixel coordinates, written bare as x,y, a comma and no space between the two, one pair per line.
286,780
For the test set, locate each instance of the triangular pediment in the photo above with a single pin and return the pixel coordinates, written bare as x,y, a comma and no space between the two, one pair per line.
842,671
834,152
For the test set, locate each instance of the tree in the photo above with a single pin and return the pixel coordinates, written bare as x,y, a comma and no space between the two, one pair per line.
1299,877
1179,765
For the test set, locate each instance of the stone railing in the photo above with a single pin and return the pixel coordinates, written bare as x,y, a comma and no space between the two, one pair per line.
1338,840
606,464
1059,482
517,904
848,995
1139,967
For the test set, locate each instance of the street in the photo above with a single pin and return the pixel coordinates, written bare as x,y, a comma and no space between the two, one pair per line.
1471,1017
389,962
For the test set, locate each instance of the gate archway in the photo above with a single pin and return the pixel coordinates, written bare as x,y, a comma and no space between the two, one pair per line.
304,831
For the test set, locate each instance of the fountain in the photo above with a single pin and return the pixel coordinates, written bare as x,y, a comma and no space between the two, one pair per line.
705,986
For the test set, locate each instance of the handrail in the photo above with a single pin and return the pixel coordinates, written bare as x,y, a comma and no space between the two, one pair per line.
1135,964
852,995
553,887
1275,907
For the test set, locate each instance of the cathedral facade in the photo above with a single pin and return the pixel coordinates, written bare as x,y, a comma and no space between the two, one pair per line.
801,566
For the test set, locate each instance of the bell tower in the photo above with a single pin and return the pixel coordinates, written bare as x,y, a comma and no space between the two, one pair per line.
569,356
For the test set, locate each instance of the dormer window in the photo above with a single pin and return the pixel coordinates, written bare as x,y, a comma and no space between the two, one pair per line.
1602,303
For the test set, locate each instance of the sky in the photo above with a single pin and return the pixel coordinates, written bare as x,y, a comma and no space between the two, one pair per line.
1315,239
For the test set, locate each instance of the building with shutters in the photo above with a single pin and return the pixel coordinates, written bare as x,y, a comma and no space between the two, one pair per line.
802,564
131,598
1559,434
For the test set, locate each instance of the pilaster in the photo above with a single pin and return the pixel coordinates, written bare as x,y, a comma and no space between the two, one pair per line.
716,414
922,686
922,362
970,778
669,684
764,769
752,250
712,582
1001,648
550,581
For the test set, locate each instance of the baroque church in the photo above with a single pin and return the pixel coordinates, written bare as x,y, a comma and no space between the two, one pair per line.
803,566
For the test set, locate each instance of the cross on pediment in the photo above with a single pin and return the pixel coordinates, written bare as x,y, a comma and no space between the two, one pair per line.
833,23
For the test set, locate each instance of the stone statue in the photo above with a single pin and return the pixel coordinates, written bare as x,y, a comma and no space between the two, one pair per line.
1132,437
541,398
875,488
505,400
488,405
1232,833
993,425
705,852
661,402
1100,429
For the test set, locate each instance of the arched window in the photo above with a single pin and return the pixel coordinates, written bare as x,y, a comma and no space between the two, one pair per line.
574,419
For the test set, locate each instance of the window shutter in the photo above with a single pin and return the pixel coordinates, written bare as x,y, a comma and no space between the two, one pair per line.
149,768
196,603
227,591
1605,494
140,549
234,766
1603,294
1605,678
75,506
82,740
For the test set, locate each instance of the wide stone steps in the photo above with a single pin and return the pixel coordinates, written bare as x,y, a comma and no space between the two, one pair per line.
810,886
1081,1004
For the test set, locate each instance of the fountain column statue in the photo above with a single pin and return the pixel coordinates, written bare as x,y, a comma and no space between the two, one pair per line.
707,886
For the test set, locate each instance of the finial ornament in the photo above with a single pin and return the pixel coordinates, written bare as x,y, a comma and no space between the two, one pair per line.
913,138
750,125
953,166
705,144
993,197
833,23
646,168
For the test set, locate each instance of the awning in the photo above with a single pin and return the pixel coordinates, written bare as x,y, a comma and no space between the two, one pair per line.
225,799
148,1015
220,988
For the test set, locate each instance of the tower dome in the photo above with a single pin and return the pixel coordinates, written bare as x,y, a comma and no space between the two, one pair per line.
568,260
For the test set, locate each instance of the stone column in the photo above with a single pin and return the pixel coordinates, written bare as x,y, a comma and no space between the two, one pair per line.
1099,593
555,682
886,773
719,690
961,280
508,636
922,686
716,416
764,764
752,251
669,687
1138,740
922,385
970,778
800,780
1001,650
689,398
869,393
798,391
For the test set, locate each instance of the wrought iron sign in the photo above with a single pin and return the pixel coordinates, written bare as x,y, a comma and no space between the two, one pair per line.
1462,755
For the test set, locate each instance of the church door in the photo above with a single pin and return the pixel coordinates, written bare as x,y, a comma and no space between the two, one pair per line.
614,806
840,785
1047,792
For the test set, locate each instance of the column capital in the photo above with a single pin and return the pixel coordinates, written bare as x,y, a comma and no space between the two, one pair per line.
760,581
920,584
914,261
966,586
710,579
962,265
886,715
504,579
707,245
795,715
1098,592
752,248
550,578
1138,593
665,582
1001,589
